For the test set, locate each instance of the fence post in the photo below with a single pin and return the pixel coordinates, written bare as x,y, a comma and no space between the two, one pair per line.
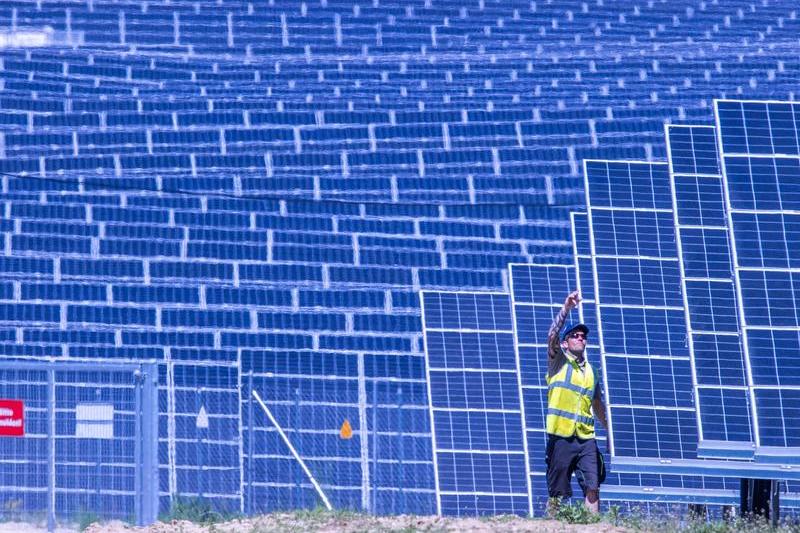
138,489
149,465
374,477
400,477
98,462
249,501
200,427
298,488
51,450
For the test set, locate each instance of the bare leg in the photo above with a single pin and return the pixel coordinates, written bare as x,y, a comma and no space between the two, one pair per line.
592,501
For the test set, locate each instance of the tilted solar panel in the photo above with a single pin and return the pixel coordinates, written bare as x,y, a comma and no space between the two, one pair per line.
640,312
582,251
538,292
642,325
477,417
668,487
760,155
709,294
535,291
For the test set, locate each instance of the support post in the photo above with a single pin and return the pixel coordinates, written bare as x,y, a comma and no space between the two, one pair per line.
374,502
697,511
775,504
401,482
149,435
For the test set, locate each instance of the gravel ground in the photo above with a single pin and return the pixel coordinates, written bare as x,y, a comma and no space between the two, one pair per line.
291,523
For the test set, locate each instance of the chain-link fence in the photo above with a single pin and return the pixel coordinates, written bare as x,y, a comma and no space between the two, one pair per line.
102,441
78,441
312,440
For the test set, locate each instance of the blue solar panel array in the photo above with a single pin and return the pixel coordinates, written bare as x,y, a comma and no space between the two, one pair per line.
624,215
254,196
477,416
538,292
458,338
759,154
711,296
533,290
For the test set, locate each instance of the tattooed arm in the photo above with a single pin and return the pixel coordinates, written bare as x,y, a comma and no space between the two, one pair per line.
554,352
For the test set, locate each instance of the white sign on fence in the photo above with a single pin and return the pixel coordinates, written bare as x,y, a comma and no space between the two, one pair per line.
202,418
94,420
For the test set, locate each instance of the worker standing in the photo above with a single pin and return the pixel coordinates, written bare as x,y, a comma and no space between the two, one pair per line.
574,398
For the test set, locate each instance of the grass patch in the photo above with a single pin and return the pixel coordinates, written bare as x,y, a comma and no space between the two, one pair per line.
574,513
577,513
86,519
671,524
196,510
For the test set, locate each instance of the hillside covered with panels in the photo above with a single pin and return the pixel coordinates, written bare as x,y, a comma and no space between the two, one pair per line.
253,194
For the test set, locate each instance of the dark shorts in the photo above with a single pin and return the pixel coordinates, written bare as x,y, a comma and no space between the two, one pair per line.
567,455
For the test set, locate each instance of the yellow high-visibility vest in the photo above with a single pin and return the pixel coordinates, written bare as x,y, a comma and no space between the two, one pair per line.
569,400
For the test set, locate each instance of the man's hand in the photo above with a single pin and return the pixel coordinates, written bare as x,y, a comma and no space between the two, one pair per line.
572,300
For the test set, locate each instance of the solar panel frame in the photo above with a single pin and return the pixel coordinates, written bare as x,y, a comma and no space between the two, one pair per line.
646,203
456,494
587,311
757,151
706,448
531,392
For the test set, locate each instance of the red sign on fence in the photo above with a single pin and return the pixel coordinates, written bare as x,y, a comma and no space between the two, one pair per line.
12,418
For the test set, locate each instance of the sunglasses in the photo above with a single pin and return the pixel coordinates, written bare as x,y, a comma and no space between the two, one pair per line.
578,336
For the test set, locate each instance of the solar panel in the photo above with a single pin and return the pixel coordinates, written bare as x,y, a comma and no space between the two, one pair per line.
582,252
709,294
535,294
640,312
477,417
669,487
759,151
643,327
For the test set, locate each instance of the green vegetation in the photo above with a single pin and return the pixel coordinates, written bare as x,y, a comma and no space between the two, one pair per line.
197,510
86,519
701,525
675,520
575,513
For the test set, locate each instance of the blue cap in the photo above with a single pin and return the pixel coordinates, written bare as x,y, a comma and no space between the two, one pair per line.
572,326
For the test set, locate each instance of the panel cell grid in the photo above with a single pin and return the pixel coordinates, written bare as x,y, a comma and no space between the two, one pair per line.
709,294
640,314
539,290
693,487
759,156
477,417
550,283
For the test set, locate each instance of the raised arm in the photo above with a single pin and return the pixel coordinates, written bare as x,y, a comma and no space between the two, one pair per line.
553,343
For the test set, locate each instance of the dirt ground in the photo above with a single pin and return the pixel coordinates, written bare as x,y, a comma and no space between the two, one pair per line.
290,523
